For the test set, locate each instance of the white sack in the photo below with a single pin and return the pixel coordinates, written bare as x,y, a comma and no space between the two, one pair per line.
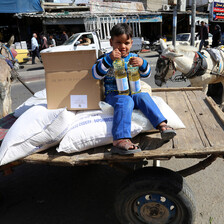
94,128
172,119
39,98
139,118
145,87
90,131
35,130
41,94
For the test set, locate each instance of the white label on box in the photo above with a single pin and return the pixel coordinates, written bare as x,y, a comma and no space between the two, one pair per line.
78,101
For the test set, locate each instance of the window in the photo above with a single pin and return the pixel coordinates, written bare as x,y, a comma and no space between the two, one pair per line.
183,37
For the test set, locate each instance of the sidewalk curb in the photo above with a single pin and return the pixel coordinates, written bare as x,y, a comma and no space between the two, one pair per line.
32,75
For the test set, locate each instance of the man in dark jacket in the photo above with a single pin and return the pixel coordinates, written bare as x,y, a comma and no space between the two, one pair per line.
64,36
216,36
203,34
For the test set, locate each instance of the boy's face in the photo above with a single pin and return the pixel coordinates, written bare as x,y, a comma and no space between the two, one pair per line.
122,43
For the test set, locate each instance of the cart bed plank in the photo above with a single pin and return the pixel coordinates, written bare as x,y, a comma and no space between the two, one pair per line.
202,136
181,105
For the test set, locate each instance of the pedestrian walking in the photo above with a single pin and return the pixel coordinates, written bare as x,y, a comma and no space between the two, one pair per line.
216,39
64,37
44,44
35,48
52,42
203,35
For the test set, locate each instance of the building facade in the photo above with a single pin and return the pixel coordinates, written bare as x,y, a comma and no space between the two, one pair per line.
156,16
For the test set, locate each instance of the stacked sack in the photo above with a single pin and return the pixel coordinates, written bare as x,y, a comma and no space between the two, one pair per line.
38,128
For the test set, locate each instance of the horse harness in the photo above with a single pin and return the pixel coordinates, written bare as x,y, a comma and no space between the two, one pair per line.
199,68
14,73
8,61
200,65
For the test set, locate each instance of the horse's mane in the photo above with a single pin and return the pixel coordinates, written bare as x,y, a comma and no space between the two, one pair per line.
186,48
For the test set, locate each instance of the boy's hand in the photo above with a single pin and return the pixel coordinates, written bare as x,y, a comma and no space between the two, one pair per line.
115,54
136,61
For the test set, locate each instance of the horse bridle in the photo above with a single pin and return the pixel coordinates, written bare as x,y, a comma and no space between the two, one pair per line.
7,49
168,64
198,69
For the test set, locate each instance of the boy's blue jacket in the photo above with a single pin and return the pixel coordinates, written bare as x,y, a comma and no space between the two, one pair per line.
103,68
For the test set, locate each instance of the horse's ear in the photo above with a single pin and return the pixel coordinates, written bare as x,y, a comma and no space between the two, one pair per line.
162,44
11,41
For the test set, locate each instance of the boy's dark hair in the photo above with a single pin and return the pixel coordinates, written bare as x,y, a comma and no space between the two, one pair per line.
120,29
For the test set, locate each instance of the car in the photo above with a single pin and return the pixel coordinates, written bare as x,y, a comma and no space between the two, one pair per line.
185,39
22,55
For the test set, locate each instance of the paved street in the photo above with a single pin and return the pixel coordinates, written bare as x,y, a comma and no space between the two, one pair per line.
42,194
32,72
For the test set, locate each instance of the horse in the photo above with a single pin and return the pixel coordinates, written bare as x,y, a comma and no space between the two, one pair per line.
5,89
8,67
201,68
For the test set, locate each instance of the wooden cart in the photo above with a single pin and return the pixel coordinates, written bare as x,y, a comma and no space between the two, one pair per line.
155,194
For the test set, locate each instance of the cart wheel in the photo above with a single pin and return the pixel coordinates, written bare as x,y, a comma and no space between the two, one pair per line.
155,195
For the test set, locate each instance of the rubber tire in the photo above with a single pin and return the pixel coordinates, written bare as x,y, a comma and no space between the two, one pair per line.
155,180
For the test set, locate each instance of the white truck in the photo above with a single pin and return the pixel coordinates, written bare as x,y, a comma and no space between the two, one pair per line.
73,44
98,31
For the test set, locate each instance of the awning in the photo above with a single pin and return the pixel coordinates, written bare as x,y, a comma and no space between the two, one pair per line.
20,6
78,17
151,18
198,19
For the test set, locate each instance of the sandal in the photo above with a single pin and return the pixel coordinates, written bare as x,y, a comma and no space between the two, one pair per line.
124,147
168,133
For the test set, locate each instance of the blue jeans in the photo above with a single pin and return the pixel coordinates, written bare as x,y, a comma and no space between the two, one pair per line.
123,107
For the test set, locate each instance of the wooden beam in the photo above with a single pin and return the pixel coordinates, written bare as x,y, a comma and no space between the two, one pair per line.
215,107
170,89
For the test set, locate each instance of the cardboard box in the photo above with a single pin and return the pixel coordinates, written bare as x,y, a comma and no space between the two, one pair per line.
18,45
23,44
69,80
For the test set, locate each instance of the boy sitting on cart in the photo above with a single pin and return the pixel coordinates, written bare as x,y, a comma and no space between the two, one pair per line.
121,41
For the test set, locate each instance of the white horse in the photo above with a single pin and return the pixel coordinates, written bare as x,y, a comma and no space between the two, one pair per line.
7,71
201,68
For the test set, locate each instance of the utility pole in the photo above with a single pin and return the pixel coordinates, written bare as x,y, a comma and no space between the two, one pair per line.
174,25
193,15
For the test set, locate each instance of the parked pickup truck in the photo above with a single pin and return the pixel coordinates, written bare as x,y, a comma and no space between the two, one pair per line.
74,44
